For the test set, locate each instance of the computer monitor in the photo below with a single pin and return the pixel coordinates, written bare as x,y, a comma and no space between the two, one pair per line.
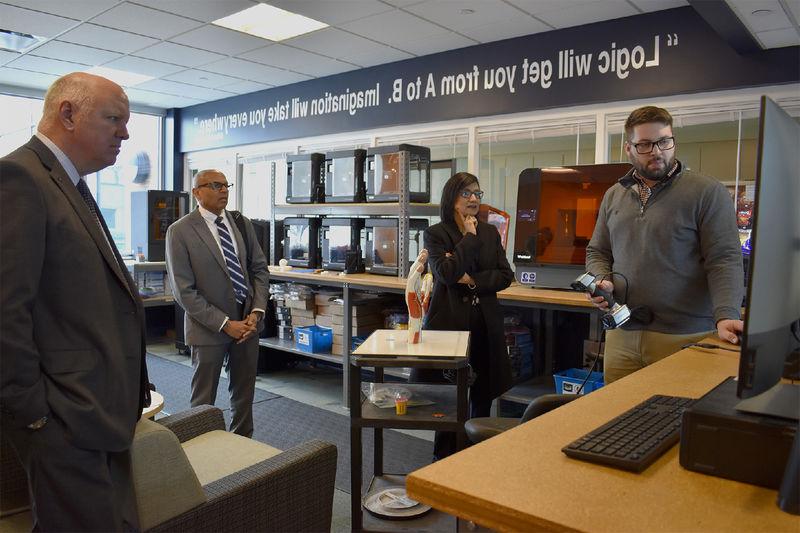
772,319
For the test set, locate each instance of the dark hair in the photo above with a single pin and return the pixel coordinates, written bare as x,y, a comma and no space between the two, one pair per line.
450,192
646,114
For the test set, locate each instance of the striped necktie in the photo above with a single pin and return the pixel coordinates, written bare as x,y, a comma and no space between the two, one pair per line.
88,199
232,262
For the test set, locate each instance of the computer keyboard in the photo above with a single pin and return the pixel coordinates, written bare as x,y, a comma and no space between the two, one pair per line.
636,438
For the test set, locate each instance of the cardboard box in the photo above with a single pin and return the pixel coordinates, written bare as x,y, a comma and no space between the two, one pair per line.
323,297
300,304
307,313
324,309
303,321
324,321
375,320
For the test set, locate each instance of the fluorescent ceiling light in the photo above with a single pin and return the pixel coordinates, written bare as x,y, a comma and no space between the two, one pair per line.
270,22
121,77
14,41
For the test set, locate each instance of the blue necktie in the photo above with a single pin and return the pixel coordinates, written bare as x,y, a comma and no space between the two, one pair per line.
232,262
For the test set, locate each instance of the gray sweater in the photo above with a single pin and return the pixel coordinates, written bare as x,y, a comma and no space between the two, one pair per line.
680,253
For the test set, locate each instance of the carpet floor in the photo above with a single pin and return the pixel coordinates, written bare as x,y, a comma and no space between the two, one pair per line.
283,423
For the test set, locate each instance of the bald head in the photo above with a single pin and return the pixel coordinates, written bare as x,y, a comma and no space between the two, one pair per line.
86,117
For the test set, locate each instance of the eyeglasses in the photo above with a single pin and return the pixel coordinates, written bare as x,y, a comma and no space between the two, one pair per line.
646,147
217,185
466,193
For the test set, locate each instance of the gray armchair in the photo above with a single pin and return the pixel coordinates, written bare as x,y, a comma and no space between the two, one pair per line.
482,428
192,475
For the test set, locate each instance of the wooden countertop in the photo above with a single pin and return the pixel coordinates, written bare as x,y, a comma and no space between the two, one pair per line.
516,292
521,481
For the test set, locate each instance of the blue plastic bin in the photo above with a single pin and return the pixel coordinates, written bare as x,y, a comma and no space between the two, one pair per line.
313,339
568,381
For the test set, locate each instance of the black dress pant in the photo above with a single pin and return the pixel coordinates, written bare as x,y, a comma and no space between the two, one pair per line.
480,399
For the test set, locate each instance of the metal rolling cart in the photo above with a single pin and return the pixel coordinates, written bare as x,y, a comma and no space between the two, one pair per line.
389,349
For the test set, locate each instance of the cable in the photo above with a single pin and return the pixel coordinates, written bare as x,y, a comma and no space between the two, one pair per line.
591,369
707,346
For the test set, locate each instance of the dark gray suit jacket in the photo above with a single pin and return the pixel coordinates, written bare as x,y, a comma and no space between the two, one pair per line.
71,323
200,280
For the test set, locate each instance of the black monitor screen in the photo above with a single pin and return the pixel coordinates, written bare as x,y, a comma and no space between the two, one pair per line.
338,243
773,291
557,209
298,237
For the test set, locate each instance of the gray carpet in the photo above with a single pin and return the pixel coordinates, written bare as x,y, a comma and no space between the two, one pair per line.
283,423
174,381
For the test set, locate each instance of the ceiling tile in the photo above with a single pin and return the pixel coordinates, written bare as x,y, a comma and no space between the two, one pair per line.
395,28
204,10
106,38
437,43
244,87
5,56
254,72
351,48
74,52
449,14
26,21
587,12
333,13
140,96
794,7
779,38
505,29
769,14
201,78
221,40
76,9
145,21
657,5
182,89
46,66
403,3
179,54
147,67
23,78
279,55
535,7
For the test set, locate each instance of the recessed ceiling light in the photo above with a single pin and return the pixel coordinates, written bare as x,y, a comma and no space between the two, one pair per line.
467,11
761,12
270,22
14,41
121,77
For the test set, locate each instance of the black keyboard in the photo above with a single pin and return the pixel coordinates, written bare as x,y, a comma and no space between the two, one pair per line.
636,438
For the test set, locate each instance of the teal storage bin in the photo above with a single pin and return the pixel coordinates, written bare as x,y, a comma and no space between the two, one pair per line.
313,339
568,381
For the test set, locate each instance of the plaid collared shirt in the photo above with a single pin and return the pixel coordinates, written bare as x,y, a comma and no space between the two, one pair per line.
646,191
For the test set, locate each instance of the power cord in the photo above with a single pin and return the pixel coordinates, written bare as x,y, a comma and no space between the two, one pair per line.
591,369
707,346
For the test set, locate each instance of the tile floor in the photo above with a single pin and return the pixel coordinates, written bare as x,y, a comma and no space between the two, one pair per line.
317,385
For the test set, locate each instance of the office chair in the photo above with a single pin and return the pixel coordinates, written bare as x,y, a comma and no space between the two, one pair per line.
482,428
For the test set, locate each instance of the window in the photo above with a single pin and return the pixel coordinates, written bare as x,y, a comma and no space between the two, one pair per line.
138,165
506,153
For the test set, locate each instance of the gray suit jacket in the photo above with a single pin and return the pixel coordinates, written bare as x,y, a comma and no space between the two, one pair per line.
200,280
71,324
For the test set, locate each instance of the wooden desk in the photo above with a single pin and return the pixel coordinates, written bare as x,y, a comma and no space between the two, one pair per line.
521,481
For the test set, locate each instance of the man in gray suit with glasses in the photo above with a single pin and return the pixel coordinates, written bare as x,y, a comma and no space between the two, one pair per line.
219,276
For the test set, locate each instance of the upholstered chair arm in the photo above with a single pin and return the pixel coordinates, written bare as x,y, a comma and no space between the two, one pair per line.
198,420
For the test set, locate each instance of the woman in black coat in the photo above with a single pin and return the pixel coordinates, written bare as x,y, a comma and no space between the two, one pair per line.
469,267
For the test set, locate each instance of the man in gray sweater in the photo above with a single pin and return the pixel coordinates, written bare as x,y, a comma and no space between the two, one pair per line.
672,234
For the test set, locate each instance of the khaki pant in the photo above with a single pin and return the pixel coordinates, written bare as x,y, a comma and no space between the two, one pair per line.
627,351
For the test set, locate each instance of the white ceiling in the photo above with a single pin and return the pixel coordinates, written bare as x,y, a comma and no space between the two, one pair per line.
194,61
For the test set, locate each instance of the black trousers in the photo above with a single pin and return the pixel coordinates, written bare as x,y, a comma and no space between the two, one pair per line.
73,489
480,402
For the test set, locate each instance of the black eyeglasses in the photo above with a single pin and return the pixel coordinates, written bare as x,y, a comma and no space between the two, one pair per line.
466,193
646,147
217,185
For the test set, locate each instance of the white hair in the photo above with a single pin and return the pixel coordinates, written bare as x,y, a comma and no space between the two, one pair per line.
203,173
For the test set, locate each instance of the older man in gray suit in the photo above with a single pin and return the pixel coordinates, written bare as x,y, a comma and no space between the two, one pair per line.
219,276
72,368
